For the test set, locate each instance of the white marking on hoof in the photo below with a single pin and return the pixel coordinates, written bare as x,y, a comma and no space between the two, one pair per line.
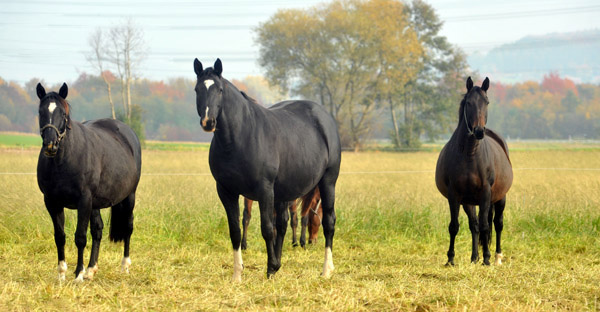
125,264
79,278
62,269
328,264
499,257
208,83
52,107
90,272
238,266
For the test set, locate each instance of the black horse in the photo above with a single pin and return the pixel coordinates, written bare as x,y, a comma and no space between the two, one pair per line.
86,167
474,169
271,155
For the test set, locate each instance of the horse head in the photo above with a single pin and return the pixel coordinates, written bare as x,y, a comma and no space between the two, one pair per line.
209,93
474,108
53,117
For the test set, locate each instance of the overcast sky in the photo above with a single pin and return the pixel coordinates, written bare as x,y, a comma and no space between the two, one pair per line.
48,39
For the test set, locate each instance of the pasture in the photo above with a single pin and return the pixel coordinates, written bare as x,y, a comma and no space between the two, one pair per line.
389,247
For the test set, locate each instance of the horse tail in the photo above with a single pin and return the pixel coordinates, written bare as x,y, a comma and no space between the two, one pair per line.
121,219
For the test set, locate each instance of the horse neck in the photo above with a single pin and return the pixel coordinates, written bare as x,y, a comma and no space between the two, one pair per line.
234,118
66,150
467,143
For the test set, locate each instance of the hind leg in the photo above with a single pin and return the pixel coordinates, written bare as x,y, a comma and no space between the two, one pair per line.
124,212
304,221
315,217
499,225
96,226
327,190
484,226
474,227
246,220
293,207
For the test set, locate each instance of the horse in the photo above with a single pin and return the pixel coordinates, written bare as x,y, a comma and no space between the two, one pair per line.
86,167
474,168
311,217
272,155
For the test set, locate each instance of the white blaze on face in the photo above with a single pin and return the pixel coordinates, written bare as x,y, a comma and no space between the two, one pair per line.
328,264
238,265
51,109
208,83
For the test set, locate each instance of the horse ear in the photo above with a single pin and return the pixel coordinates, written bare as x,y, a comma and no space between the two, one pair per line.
218,67
41,92
469,84
197,67
486,84
64,90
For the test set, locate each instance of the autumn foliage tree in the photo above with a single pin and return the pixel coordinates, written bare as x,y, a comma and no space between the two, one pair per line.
349,55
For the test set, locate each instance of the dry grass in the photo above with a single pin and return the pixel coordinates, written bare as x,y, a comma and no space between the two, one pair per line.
389,249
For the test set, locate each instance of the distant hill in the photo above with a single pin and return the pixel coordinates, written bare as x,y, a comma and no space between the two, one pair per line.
573,55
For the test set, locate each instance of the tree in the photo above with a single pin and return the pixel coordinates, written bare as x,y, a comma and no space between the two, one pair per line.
350,55
96,57
126,51
430,98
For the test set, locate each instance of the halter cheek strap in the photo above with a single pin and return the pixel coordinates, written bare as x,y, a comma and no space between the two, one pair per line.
466,121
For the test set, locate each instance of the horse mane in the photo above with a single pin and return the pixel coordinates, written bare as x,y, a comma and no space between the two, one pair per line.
500,141
248,98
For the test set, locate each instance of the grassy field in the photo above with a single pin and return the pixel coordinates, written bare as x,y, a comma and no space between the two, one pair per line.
389,248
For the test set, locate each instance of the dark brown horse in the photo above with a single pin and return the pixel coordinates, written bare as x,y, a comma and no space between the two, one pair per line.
312,215
474,169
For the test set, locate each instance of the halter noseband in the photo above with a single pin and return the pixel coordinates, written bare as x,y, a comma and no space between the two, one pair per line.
60,135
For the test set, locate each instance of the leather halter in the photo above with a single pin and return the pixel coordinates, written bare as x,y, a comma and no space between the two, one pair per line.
470,131
60,135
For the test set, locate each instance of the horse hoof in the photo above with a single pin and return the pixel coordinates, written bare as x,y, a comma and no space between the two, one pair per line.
295,244
62,269
90,272
125,264
449,263
499,257
79,278
486,262
328,264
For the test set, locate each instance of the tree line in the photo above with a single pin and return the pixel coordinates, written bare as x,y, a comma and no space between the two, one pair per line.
379,66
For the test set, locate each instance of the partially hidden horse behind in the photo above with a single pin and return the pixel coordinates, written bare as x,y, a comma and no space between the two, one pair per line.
86,167
272,155
311,215
474,169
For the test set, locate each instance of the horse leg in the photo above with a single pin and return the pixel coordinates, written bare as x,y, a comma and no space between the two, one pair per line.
57,214
327,190
315,218
96,226
121,227
84,212
453,227
304,221
293,207
232,208
246,220
499,225
484,227
266,205
281,223
474,227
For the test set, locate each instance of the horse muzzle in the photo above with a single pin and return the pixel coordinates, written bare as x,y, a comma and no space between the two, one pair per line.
50,149
479,132
208,124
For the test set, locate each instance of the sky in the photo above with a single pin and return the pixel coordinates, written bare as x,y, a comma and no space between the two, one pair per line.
48,39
